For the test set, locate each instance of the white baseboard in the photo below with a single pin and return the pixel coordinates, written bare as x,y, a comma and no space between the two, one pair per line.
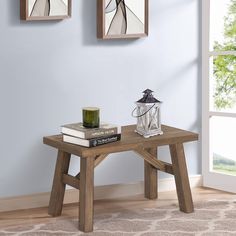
100,192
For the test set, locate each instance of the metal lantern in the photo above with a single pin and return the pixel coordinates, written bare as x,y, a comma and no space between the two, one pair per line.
148,115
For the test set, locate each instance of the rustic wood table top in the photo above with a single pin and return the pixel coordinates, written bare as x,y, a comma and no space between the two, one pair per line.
129,140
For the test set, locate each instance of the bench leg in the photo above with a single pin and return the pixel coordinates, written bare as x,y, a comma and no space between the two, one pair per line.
150,177
58,187
181,178
86,194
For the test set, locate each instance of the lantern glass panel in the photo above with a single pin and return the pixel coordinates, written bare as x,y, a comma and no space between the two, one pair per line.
148,122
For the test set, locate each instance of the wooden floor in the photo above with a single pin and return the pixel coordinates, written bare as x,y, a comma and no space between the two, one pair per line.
39,215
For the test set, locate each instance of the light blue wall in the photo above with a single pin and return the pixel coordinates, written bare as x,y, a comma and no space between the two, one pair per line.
49,70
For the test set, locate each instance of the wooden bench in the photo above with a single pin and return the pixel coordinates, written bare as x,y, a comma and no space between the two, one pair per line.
130,141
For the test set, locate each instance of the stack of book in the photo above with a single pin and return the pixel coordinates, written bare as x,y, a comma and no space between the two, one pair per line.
90,137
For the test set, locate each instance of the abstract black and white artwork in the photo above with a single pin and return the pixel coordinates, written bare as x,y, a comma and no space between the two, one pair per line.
46,9
124,18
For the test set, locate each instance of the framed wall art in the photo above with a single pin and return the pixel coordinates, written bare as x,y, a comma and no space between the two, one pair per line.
122,19
45,9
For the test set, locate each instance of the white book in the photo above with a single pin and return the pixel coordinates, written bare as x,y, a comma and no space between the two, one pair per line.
78,130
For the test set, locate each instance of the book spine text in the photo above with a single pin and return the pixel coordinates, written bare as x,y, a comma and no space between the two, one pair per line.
104,140
99,133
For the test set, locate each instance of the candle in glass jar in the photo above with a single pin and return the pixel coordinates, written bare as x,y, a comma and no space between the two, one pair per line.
91,117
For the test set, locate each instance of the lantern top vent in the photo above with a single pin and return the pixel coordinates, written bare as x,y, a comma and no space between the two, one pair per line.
148,97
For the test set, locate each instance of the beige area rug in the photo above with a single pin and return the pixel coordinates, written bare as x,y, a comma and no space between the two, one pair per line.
211,218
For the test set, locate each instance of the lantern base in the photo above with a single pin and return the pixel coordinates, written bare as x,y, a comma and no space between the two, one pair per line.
150,133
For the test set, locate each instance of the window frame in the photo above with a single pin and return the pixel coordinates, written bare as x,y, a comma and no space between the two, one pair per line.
211,179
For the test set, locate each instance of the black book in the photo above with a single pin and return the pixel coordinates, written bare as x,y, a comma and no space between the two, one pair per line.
92,142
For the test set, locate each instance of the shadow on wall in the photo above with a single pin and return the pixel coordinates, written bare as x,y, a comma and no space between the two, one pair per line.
89,22
179,73
14,12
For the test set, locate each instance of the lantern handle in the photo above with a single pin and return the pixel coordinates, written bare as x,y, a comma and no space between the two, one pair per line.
143,113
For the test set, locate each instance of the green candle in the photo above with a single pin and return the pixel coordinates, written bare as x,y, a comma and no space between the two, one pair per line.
91,117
